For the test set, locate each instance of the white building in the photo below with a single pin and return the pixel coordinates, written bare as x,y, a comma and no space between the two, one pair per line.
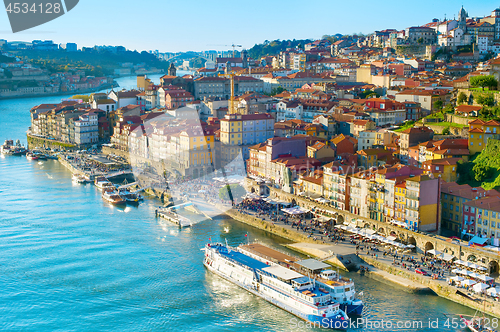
288,110
387,117
367,139
124,97
87,129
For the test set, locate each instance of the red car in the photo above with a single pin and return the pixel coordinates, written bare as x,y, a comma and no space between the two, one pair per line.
422,272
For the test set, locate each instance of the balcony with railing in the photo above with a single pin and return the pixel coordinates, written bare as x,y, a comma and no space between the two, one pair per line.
414,208
412,196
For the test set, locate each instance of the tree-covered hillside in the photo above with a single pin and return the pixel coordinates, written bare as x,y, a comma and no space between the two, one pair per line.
275,47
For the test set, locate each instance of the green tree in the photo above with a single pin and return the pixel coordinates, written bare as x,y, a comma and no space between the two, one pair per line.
438,104
462,98
368,94
483,81
277,91
485,99
420,40
464,171
232,191
446,131
482,172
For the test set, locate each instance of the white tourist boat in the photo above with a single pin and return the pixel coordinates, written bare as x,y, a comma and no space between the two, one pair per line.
9,148
101,183
128,196
341,289
287,289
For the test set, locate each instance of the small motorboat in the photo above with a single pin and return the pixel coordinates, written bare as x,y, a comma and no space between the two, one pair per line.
80,179
31,156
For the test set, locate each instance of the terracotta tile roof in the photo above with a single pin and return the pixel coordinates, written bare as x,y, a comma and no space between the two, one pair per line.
490,203
492,123
476,130
468,108
477,121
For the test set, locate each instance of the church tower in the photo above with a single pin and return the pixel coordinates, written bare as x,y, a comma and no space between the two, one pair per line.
171,70
462,19
244,58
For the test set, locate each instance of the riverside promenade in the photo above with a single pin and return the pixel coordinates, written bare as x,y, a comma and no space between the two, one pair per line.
380,267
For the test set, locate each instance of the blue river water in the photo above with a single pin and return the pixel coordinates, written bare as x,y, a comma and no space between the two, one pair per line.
70,262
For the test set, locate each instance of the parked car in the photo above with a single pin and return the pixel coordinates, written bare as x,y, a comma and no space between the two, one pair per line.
422,272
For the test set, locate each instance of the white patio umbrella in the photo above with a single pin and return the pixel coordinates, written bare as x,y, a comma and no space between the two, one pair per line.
457,278
474,275
434,252
468,282
482,268
459,262
410,246
467,264
456,271
493,291
484,277
480,287
446,257
465,272
474,266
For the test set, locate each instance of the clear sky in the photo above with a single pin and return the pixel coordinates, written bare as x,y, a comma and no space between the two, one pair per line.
196,25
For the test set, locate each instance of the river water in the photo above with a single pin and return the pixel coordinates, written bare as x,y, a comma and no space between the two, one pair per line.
70,262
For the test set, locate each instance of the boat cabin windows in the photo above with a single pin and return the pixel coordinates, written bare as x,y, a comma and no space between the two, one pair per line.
328,274
301,283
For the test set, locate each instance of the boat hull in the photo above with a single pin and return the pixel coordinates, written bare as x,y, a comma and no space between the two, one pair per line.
114,202
352,309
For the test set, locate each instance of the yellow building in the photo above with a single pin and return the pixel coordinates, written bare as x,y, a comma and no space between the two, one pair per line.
243,129
316,130
312,185
400,201
479,133
422,210
446,168
195,153
231,129
320,150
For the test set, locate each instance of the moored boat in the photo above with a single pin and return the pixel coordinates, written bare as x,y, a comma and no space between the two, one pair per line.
128,196
477,324
101,183
286,289
342,289
40,155
31,156
80,179
111,195
9,148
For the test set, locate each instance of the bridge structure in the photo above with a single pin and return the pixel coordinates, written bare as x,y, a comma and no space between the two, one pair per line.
421,240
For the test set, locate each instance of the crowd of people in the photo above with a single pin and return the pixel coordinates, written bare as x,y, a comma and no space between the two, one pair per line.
93,167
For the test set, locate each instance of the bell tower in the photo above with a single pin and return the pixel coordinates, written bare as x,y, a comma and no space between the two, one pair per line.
462,19
171,70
